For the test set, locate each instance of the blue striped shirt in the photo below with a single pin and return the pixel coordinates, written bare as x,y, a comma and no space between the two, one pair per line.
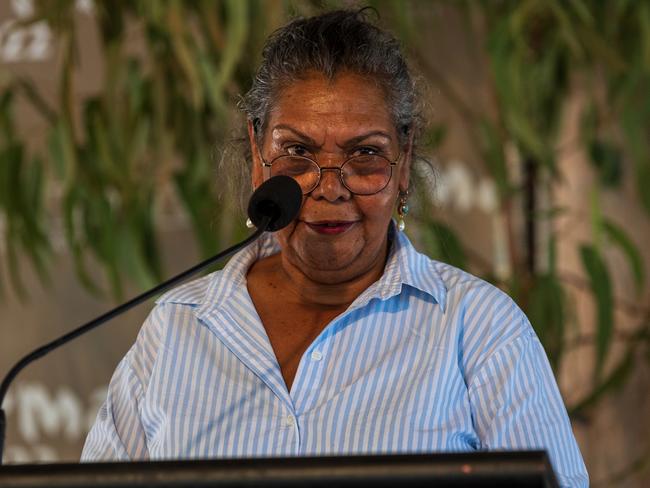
427,359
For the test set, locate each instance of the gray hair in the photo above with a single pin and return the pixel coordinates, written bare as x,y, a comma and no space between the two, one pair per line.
331,43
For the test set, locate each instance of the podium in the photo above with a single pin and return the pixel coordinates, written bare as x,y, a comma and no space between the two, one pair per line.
481,469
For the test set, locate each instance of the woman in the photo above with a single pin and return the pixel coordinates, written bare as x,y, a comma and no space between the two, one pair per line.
334,336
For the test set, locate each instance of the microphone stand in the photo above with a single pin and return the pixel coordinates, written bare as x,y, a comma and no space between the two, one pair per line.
43,350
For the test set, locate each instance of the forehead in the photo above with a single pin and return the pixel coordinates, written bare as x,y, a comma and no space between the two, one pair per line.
339,107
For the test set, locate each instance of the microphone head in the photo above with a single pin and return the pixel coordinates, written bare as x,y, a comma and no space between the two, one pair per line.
279,198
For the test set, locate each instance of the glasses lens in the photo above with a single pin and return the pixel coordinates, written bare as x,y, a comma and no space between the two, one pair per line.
303,170
365,175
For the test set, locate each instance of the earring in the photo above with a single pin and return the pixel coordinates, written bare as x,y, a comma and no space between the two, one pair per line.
402,209
249,223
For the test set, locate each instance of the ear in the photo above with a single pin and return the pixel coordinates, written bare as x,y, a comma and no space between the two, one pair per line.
405,167
256,171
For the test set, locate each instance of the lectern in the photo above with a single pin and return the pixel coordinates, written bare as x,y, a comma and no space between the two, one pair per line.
484,469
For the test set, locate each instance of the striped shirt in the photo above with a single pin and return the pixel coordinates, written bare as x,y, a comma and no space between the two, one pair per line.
427,359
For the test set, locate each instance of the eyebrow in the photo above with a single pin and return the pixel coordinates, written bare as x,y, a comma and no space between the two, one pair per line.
302,135
348,143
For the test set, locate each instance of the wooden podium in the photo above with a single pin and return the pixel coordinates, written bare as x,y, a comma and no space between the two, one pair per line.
482,469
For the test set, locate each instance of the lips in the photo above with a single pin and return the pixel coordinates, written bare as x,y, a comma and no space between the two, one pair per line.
330,227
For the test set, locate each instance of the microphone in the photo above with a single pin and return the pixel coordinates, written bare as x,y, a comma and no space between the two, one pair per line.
279,201
273,205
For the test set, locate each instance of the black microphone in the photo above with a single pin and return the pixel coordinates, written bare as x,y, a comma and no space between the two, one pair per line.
280,202
273,205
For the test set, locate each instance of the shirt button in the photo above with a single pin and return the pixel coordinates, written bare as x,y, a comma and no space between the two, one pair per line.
290,420
316,355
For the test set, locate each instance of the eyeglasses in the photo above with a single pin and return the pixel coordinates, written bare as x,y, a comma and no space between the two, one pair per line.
362,175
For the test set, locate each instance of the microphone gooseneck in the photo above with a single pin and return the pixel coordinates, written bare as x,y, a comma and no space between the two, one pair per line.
272,206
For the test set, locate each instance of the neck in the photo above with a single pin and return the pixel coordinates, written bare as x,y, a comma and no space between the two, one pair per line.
324,289
317,290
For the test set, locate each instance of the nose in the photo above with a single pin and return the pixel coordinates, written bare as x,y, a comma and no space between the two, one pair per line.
330,186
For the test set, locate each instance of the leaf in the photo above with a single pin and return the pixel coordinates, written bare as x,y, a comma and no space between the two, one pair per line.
589,122
13,263
643,183
607,159
101,230
6,115
404,22
201,208
644,24
33,190
176,20
434,137
582,11
70,209
444,244
130,255
622,240
495,156
566,26
216,78
601,287
20,185
615,379
12,160
62,152
546,311
98,141
527,135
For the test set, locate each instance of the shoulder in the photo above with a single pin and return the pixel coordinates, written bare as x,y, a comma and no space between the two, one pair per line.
190,293
486,318
172,317
178,308
456,291
467,292
460,291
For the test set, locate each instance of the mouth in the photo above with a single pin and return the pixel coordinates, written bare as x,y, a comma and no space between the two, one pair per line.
330,227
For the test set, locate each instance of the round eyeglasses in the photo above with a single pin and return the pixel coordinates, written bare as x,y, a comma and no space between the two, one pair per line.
361,175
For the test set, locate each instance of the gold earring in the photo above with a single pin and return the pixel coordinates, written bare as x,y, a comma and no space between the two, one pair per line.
402,209
249,223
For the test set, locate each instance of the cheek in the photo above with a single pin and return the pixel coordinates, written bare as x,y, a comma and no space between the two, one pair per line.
285,235
256,175
379,208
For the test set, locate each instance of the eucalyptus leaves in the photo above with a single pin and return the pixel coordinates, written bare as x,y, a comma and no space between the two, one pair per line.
172,69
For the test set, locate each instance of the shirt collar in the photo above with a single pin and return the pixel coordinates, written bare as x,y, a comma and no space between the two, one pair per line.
404,266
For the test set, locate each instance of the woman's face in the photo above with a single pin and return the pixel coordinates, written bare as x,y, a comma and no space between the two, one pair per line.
338,236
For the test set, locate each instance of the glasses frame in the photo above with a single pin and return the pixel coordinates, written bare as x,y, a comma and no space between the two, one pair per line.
266,170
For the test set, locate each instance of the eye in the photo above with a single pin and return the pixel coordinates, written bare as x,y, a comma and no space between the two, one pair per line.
297,150
366,151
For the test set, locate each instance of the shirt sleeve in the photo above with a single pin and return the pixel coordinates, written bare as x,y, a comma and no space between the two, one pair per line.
516,404
118,433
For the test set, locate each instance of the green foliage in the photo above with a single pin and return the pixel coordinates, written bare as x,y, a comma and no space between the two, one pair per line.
547,313
536,52
619,238
155,124
443,244
614,381
601,288
608,162
165,106
21,201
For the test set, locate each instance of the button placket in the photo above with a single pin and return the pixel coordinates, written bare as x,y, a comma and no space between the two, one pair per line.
309,378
